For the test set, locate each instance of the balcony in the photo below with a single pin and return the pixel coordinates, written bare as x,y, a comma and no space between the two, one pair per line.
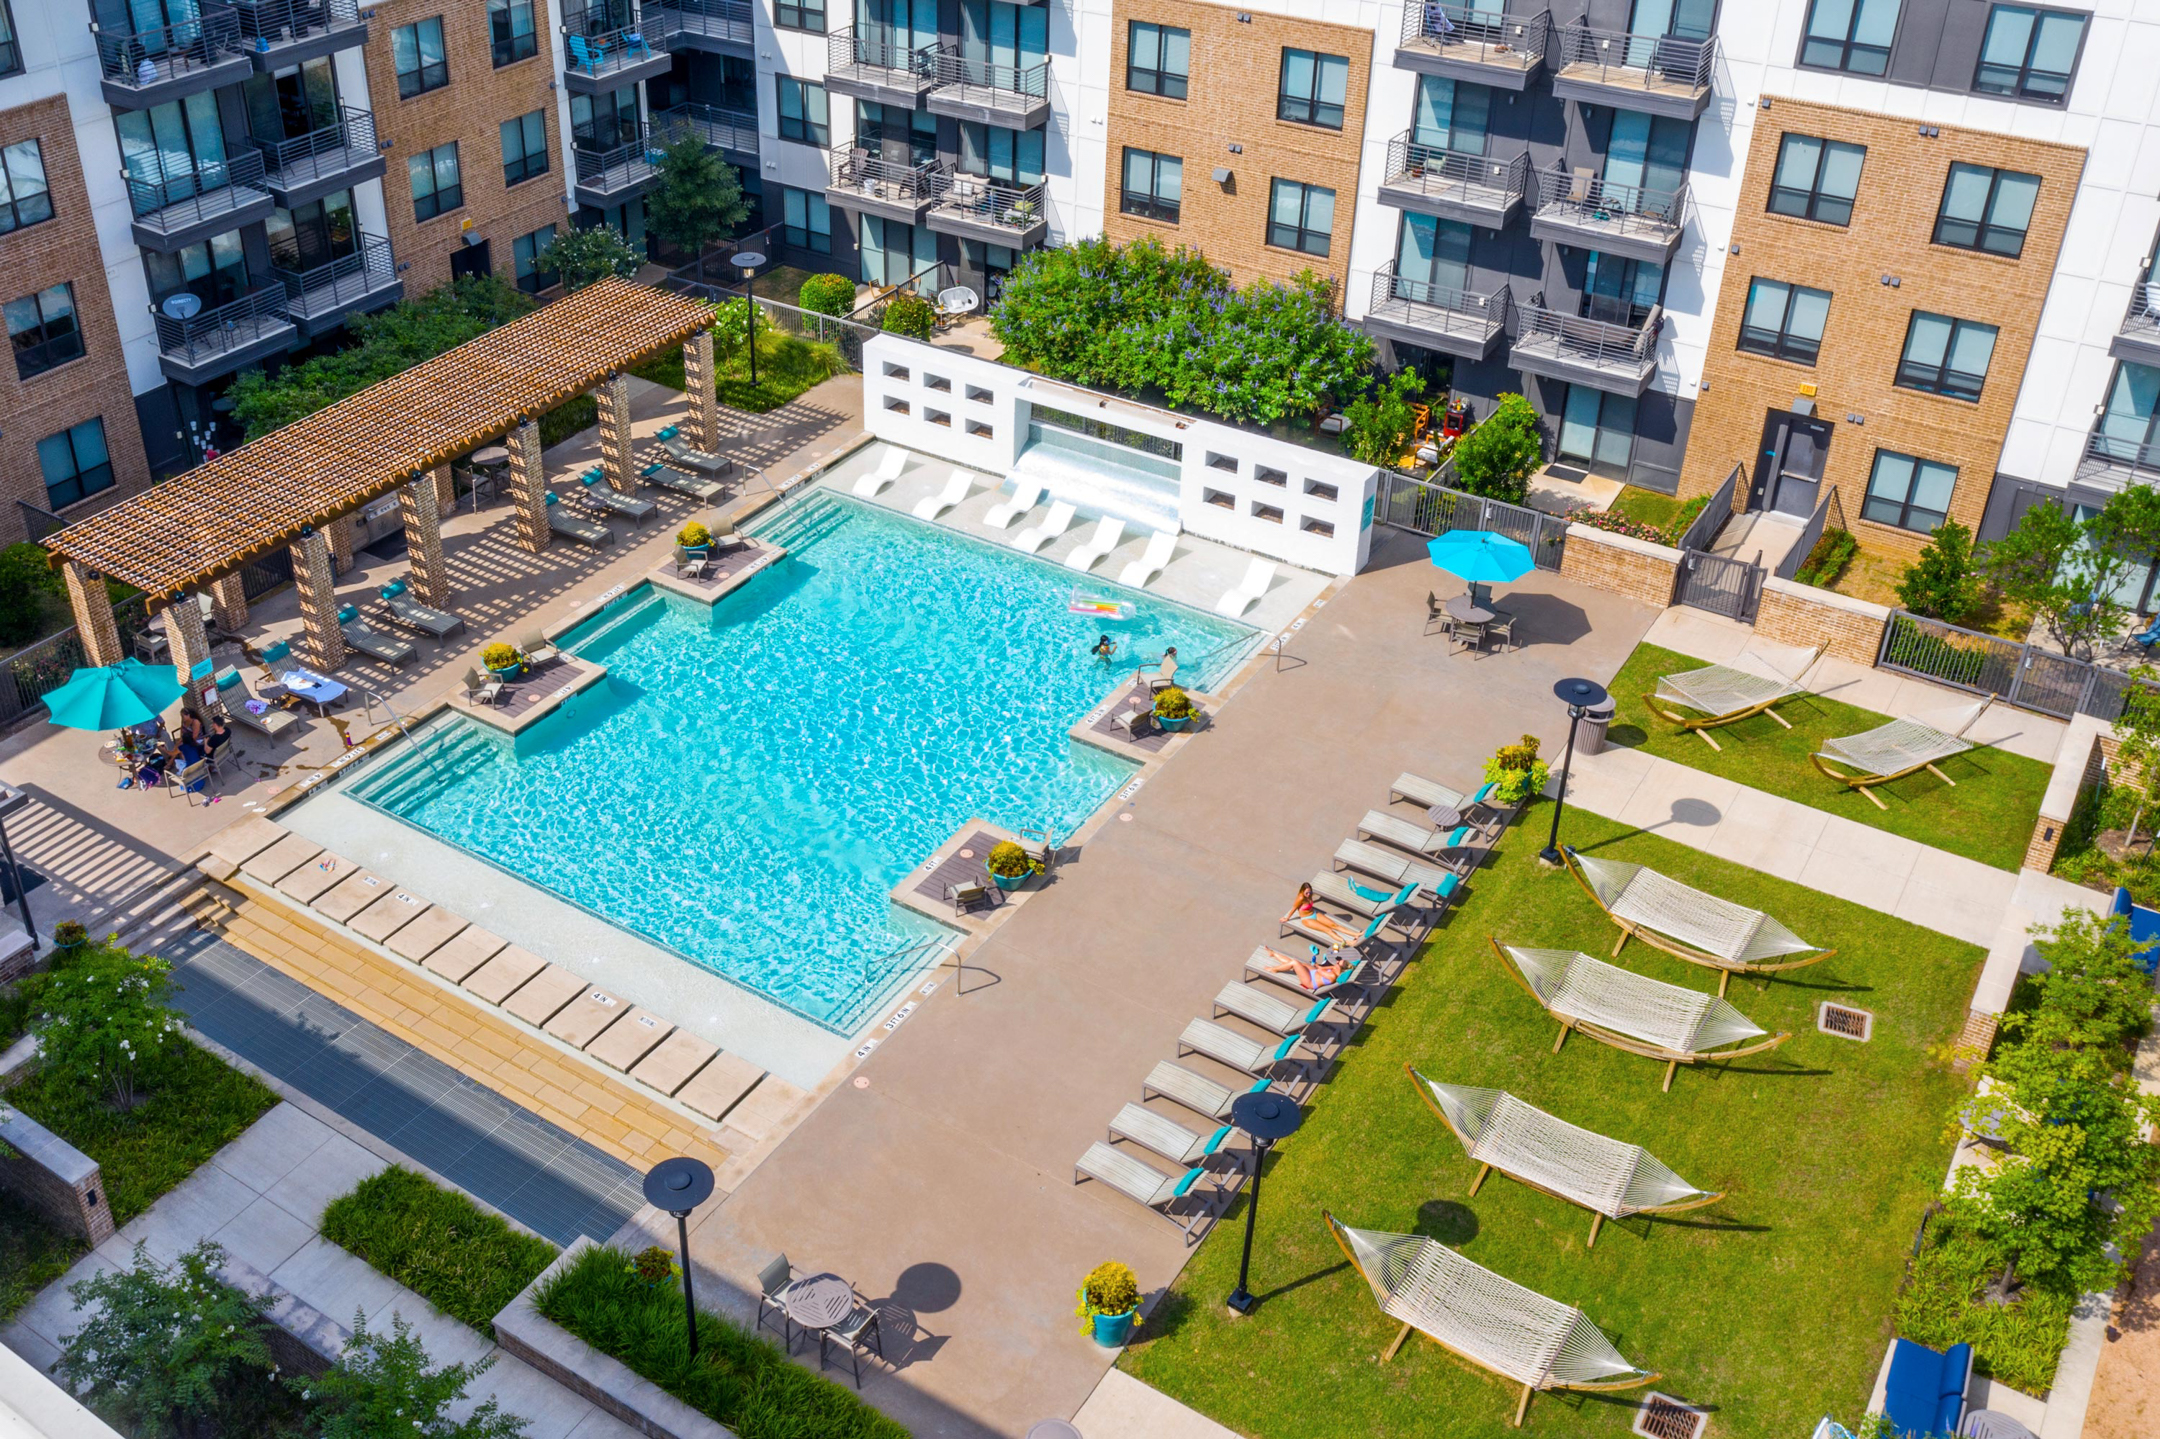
320,298
1014,96
278,33
1656,75
1455,185
611,176
2115,462
731,132
720,25
997,214
138,69
1433,317
174,211
1576,208
216,342
876,65
336,157
869,186
2137,339
1619,359
1457,42
597,64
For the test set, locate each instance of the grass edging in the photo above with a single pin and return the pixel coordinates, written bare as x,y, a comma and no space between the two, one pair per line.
466,1262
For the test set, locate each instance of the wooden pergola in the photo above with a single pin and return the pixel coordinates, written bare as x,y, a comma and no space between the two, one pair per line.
300,486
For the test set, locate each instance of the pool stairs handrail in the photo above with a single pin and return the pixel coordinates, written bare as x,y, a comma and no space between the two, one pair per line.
370,699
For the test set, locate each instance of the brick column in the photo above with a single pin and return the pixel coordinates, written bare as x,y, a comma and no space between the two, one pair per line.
701,389
190,645
613,395
528,485
341,532
94,622
423,541
445,490
228,601
318,600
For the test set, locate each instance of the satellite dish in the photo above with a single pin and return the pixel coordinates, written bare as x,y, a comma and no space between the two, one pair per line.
185,305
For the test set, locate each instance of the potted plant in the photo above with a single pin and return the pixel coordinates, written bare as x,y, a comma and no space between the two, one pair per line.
694,537
1174,708
1109,1303
503,661
1515,772
1009,865
69,935
655,1266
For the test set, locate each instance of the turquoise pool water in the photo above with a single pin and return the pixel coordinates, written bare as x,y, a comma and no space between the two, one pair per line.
752,778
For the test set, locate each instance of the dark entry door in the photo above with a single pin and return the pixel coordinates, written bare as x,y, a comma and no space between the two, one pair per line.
472,260
1800,466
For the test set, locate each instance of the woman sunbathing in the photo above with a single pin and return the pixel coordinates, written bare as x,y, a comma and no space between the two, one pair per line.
1304,910
1317,973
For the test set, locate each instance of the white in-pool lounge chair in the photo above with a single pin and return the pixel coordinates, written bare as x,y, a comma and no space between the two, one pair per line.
371,641
1025,496
1165,1136
887,471
684,452
667,478
409,612
1258,576
957,485
603,497
570,527
1144,1183
1196,1092
240,702
1142,572
1034,537
1108,531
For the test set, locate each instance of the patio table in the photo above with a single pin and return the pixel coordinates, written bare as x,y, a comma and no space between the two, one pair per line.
819,1302
1444,817
1469,611
317,690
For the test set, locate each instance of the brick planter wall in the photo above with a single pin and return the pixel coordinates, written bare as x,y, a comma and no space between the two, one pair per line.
1635,568
53,1177
1797,614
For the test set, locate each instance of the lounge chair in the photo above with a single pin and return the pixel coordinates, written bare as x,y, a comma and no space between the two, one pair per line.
691,566
889,469
1108,531
1161,545
1262,962
570,527
1900,748
409,612
1142,1183
240,702
773,1282
1227,1046
1924,1392
1165,1136
683,451
1688,924
1025,496
1721,695
725,536
2146,638
1276,1016
1387,865
370,641
1390,905
1054,524
585,54
1404,835
1196,1092
1431,794
957,485
603,497
483,689
537,648
1258,576
660,474
1326,929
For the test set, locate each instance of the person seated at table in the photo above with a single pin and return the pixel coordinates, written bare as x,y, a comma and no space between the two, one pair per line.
216,737
191,728
1316,973
1305,908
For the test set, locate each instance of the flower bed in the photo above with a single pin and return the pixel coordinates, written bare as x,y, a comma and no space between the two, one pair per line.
461,1259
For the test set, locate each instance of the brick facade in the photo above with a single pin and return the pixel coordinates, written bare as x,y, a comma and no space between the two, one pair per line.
1231,100
53,1177
1891,235
1634,568
1797,614
62,250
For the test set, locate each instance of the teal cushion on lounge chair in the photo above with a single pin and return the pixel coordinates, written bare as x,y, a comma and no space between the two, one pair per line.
274,651
669,432
1192,1177
1215,1140
1282,1051
1376,896
392,590
1447,885
1483,790
551,497
1403,895
1460,837
347,614
1373,927
1315,1012
226,678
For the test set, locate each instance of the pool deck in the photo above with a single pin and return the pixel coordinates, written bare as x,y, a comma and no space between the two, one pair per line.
540,693
723,575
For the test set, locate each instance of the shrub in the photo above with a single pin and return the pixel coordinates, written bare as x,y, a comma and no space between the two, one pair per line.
585,257
1009,859
1944,583
1956,660
1378,425
499,656
1516,772
1172,703
1677,530
1615,524
693,535
1110,1288
910,315
1828,559
382,1385
698,198
26,581
567,419
1497,458
654,1264
106,1028
461,1259
827,294
1941,1304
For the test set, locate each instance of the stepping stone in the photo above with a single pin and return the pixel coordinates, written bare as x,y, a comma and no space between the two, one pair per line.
352,894
470,948
629,1039
388,915
669,1067
280,859
317,878
771,1105
716,1087
237,844
426,934
582,1020
500,977
539,998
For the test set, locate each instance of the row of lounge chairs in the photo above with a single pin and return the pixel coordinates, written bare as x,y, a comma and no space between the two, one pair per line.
687,471
399,608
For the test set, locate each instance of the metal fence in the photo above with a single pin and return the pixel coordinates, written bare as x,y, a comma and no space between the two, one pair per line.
1722,584
1428,508
33,672
2025,675
1829,515
1702,531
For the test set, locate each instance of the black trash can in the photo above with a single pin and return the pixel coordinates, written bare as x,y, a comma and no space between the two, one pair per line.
1590,737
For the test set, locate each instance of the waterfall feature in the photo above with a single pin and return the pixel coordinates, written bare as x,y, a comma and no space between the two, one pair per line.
1097,477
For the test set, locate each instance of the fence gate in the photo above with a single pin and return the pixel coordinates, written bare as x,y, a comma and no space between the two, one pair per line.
1719,584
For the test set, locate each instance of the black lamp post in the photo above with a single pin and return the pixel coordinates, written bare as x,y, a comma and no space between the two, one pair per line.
680,1185
1267,1117
1580,696
748,261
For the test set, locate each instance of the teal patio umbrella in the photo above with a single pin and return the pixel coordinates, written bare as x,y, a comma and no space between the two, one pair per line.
1481,557
106,697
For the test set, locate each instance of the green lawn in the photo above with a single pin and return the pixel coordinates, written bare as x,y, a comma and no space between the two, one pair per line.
1771,1306
1987,816
465,1261
32,1254
1646,507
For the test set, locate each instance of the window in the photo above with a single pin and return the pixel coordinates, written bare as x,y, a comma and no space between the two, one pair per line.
213,271
75,463
525,252
1911,494
1852,35
2029,54
886,130
1300,217
806,221
1158,60
1454,115
524,147
511,33
1816,179
1945,356
1784,321
435,186
10,51
1985,209
1313,88
1597,431
1154,185
800,15
43,330
416,53
2129,429
1012,157
24,199
803,112
602,122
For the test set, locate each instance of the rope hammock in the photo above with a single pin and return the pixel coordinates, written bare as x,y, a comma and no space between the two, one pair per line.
1723,695
1899,748
1472,1312
1610,1179
1630,1012
1688,924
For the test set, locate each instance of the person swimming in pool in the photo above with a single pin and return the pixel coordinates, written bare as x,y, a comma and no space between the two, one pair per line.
1105,647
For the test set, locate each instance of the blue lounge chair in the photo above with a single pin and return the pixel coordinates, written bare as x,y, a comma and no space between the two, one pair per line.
2149,636
2144,927
1925,1392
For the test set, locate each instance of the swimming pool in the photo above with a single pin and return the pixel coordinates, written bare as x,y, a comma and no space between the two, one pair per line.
753,777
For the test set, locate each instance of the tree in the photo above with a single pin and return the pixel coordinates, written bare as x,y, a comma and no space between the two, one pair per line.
2134,778
827,294
585,257
1497,458
106,1023
2095,991
699,198
164,1351
382,1386
1944,582
25,582
1378,425
2066,571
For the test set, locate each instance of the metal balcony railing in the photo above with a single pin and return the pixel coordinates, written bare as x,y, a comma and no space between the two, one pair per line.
179,199
264,23
1440,307
880,48
1477,33
1669,63
722,129
1578,197
714,19
1015,208
2142,319
348,140
328,288
2139,453
1456,174
613,51
140,59
1584,341
1028,82
886,180
620,166
235,326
